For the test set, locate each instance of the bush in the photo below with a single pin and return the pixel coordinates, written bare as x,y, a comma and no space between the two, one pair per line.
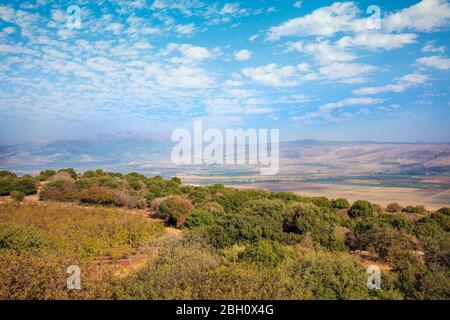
26,185
327,276
340,203
60,190
213,207
397,221
174,210
307,218
14,238
415,209
264,252
394,207
44,175
18,196
70,171
444,211
361,208
427,227
6,184
198,218
107,197
322,202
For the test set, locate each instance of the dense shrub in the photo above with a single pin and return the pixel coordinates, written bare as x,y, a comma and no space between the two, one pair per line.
340,203
444,211
107,197
394,207
321,202
73,174
415,209
307,218
288,197
198,218
213,207
174,210
326,276
397,221
361,208
380,237
265,252
14,238
6,184
427,227
44,175
26,185
60,190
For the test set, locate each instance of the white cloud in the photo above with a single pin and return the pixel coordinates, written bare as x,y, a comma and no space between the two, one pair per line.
59,15
273,75
233,83
401,85
325,21
437,62
189,53
429,47
323,51
182,76
229,8
427,15
185,29
327,111
347,72
253,37
375,41
298,4
242,55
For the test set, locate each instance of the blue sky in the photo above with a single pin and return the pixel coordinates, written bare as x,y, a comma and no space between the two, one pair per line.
314,69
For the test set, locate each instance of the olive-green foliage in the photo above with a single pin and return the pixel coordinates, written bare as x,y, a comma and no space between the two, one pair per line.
268,253
444,211
25,184
320,223
397,221
177,270
44,175
322,202
6,185
377,234
198,218
256,220
20,239
340,203
288,197
326,276
361,208
7,174
415,209
428,227
84,232
235,244
174,210
60,190
70,171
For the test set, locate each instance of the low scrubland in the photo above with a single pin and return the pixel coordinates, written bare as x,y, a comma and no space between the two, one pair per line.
231,244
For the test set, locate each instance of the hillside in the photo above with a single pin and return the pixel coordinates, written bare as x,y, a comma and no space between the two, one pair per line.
136,237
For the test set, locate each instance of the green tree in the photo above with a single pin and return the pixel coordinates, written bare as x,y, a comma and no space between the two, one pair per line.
361,208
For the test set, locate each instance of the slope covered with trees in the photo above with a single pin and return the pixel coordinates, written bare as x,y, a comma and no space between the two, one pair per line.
233,244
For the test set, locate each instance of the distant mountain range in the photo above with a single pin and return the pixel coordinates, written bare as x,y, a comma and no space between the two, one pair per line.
303,158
